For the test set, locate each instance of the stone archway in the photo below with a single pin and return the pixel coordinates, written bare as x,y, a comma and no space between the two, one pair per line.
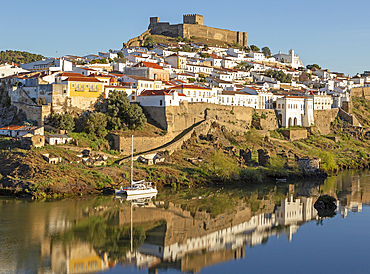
295,121
289,122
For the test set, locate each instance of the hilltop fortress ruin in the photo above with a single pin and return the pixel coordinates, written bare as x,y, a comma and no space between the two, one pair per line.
192,26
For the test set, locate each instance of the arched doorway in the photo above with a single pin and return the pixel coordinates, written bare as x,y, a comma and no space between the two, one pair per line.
295,121
280,118
289,122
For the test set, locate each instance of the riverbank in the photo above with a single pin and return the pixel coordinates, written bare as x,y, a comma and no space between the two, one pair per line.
220,158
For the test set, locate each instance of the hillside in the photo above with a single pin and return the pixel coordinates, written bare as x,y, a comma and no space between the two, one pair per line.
15,56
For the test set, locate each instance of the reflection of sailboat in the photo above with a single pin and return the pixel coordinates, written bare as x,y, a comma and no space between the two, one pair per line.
137,188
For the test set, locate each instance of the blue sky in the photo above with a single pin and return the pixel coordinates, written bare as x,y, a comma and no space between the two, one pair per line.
333,34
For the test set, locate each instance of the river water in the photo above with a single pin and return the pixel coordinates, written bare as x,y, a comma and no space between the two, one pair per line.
254,229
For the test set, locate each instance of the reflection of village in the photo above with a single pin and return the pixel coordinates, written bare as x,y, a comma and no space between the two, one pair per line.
179,239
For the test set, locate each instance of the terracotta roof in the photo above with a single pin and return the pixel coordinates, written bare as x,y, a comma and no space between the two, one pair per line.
69,74
154,92
11,127
189,87
148,65
83,79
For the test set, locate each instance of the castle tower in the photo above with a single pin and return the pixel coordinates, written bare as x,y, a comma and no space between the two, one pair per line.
153,22
193,19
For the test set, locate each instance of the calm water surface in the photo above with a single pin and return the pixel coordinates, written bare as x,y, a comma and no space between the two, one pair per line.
272,228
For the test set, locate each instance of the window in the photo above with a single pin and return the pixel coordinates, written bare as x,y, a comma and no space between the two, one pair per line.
160,102
91,87
278,105
87,86
78,86
282,106
96,86
73,85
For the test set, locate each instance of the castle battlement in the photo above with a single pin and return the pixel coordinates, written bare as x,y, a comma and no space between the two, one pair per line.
193,26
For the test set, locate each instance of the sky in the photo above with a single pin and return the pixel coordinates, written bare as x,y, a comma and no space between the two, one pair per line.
333,33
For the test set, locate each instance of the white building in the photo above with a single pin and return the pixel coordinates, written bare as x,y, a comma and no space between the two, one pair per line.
51,64
290,58
295,111
160,98
10,69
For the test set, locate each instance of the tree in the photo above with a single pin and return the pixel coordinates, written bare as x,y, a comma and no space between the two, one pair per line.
254,48
304,77
62,121
149,40
96,123
279,76
266,51
121,113
120,55
313,66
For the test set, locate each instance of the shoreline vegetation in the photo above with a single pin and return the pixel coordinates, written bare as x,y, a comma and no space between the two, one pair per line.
27,174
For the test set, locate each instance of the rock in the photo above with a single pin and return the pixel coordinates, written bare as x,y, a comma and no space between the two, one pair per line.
325,205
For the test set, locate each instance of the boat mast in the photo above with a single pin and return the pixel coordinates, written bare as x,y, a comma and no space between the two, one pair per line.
132,158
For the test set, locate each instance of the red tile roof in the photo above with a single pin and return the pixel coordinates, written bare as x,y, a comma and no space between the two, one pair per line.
148,65
154,92
189,87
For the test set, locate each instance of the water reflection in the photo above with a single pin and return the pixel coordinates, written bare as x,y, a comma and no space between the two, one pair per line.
175,231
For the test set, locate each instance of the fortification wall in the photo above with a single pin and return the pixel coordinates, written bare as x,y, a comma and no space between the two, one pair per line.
199,30
37,113
176,119
323,119
296,134
137,41
154,144
361,92
62,103
214,33
270,121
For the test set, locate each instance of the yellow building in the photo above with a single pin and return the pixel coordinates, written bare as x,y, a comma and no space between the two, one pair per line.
84,87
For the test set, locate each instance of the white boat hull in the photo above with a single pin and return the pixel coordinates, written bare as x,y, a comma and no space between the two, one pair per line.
132,192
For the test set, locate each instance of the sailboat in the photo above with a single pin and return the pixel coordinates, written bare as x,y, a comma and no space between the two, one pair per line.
139,187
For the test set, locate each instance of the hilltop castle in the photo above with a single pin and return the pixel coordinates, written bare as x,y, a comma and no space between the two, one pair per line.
193,26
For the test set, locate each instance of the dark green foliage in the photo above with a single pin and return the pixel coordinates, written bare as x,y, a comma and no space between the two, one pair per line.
279,76
313,66
99,61
204,55
120,113
96,123
62,121
266,51
19,56
254,48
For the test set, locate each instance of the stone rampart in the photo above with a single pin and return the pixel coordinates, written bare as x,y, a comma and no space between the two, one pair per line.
323,120
295,134
350,118
37,113
177,119
225,35
170,142
267,119
137,41
141,144
361,92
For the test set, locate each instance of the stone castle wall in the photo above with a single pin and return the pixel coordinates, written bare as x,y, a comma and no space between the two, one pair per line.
197,29
172,141
361,92
323,119
34,112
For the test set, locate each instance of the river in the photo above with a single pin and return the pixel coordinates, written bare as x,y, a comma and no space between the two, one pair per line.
254,229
